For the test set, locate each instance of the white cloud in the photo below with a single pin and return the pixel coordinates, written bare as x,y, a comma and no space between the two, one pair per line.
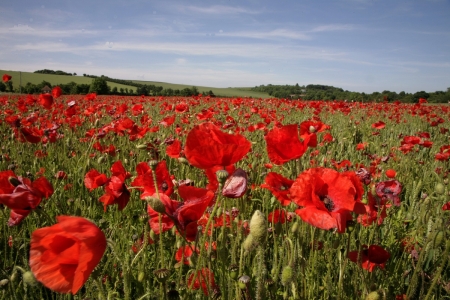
218,10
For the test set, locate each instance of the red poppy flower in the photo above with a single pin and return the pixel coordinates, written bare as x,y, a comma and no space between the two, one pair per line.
56,92
207,146
308,130
379,125
6,78
327,197
283,144
204,278
144,180
181,107
23,196
94,179
279,186
63,256
391,173
279,216
116,192
374,256
185,253
173,150
46,100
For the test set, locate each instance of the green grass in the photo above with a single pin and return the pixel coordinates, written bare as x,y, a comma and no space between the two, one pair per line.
36,78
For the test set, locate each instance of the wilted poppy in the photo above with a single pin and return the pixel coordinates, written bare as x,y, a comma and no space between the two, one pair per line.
370,257
389,190
207,146
63,256
327,197
236,184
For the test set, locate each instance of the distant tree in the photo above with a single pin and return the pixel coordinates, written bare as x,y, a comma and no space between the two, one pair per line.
99,86
121,91
2,87
142,90
74,74
422,94
114,91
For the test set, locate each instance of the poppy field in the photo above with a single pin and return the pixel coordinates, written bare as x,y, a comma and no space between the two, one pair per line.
133,197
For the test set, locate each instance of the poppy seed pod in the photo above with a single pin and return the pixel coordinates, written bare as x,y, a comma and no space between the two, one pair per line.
258,226
439,189
222,175
156,204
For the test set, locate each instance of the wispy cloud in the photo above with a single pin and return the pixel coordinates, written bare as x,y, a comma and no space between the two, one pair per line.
277,33
333,27
218,10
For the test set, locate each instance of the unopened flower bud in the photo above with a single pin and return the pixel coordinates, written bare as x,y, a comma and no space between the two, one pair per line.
183,160
258,226
156,204
29,279
287,275
373,296
439,189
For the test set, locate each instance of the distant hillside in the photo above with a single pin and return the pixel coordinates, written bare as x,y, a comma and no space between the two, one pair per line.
37,78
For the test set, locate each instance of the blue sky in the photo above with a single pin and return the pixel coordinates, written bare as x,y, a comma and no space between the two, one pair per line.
358,45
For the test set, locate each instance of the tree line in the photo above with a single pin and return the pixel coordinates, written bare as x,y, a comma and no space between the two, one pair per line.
325,92
99,85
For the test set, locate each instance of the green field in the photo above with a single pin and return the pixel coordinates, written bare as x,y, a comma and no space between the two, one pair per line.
36,78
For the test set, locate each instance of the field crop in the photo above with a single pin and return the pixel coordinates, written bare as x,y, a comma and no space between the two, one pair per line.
115,197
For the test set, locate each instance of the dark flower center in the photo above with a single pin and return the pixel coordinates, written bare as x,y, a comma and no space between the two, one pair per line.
164,186
328,202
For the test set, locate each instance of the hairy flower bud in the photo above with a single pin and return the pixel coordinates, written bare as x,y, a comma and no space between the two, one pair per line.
258,226
156,204
29,279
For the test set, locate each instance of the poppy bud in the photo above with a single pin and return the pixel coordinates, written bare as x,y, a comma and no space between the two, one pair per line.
249,243
295,227
29,279
183,160
373,296
439,189
258,226
3,282
101,159
438,238
286,275
141,276
141,146
152,235
156,204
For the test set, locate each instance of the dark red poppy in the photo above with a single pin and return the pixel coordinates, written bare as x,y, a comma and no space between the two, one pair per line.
183,214
279,216
46,100
369,258
31,135
23,196
279,186
327,197
63,256
284,144
389,190
6,78
207,146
